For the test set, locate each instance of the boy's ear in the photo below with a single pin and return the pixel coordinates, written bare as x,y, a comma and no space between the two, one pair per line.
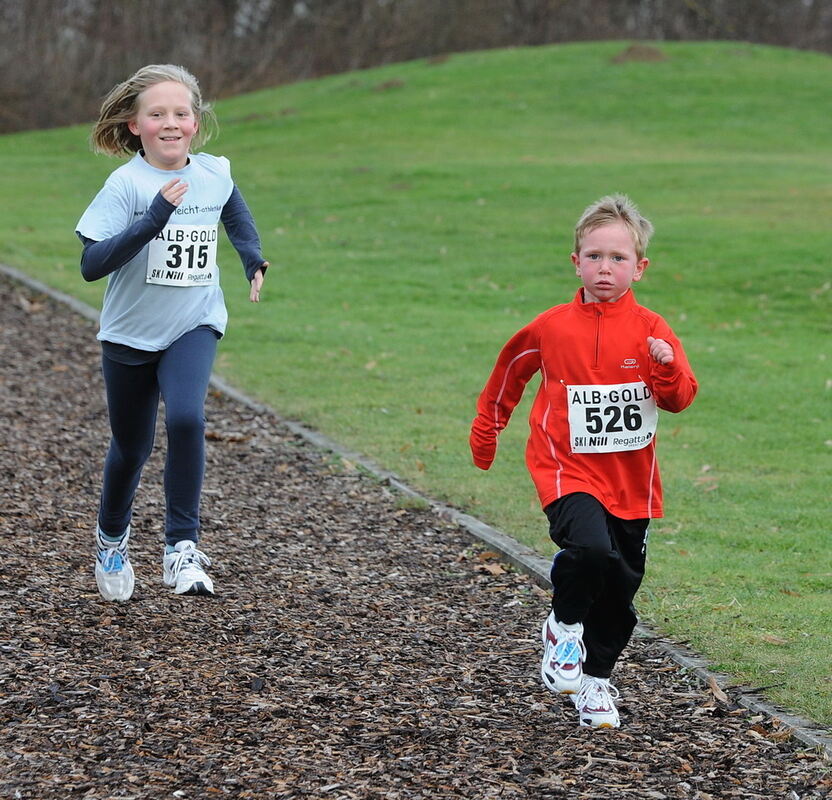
575,261
641,266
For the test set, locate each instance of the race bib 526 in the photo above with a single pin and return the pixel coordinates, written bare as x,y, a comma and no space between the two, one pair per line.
184,255
611,418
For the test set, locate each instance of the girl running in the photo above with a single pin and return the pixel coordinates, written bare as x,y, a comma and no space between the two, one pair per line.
152,231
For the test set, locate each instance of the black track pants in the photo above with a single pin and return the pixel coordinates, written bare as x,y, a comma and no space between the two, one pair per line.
596,574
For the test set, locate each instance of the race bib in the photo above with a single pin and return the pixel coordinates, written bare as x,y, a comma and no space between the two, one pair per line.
611,418
184,255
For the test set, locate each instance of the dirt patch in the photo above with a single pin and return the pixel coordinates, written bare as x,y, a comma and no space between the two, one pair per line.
639,52
358,647
386,86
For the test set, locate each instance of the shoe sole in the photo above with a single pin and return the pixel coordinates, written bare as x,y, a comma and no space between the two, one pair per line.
198,588
586,722
602,726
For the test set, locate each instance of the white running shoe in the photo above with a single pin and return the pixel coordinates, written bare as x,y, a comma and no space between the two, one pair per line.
595,705
183,570
563,655
113,570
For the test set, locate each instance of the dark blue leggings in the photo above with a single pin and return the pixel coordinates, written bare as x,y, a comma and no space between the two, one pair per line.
180,376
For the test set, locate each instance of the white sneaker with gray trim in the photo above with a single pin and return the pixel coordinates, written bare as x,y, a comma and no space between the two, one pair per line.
113,570
183,570
595,703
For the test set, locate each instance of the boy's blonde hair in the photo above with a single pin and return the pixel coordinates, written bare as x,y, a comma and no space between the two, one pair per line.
111,135
615,208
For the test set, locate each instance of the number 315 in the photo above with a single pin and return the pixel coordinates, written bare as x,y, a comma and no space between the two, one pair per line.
198,253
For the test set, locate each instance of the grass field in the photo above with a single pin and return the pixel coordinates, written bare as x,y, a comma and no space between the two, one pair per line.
418,214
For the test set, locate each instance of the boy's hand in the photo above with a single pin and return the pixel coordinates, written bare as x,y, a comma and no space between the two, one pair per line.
660,350
256,284
173,191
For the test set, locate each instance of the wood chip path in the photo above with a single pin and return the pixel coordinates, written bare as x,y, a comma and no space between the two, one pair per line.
358,648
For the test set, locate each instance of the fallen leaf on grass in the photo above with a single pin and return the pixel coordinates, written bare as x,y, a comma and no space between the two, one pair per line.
393,83
707,484
767,637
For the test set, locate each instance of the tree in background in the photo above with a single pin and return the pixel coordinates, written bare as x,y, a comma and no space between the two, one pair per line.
59,57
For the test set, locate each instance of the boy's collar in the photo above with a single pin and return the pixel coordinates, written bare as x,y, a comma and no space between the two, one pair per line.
624,303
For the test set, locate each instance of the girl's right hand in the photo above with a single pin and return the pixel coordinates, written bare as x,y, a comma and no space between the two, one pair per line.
173,191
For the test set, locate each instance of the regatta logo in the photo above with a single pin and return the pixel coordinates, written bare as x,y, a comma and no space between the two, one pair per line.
629,363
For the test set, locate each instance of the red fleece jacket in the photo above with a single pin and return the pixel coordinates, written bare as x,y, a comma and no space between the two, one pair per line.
599,390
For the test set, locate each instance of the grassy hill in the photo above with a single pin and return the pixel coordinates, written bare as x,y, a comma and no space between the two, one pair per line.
417,215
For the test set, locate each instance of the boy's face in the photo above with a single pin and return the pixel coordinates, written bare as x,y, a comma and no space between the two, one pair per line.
607,263
165,123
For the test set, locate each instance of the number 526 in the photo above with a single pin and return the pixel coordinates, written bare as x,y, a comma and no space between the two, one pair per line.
629,417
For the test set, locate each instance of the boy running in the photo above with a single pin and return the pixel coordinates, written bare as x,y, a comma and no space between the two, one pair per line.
607,365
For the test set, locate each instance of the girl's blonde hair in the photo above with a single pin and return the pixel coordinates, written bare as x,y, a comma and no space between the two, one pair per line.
615,208
111,135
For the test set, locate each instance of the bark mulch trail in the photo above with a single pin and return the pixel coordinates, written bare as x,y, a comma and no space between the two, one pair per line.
358,648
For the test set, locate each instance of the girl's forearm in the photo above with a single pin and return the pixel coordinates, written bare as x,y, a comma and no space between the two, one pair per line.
100,258
242,233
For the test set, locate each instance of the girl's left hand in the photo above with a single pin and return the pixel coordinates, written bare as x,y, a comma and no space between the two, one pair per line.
256,284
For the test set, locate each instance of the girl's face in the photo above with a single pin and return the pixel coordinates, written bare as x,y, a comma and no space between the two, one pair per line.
607,263
166,123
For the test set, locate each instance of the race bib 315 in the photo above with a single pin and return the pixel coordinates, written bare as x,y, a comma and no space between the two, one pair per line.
184,255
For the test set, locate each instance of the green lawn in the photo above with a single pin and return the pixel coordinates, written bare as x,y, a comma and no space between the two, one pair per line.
418,214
